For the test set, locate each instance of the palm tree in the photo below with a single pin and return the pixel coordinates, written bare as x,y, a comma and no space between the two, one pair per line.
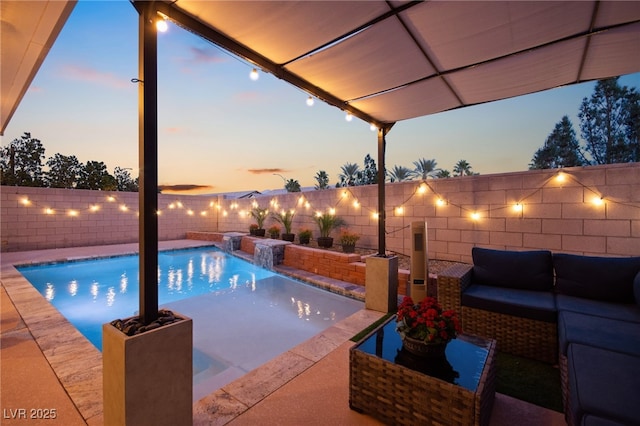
349,175
323,180
292,185
400,173
462,168
443,173
425,168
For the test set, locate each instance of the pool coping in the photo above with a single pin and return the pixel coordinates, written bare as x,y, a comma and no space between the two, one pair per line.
78,364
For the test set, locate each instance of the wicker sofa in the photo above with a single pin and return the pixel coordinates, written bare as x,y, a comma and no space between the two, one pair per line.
582,312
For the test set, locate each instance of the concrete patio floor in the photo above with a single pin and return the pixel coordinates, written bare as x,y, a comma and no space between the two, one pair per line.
43,368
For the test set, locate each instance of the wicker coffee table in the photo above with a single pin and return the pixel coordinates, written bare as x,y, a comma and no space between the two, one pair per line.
390,384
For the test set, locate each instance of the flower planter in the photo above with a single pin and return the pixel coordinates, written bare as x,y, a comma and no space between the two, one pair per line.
148,377
304,239
325,242
289,237
423,349
349,248
260,232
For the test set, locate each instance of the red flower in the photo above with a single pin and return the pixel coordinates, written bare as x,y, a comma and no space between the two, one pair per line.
427,320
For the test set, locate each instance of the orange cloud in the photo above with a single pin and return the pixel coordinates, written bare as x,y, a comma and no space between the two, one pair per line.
91,75
265,171
184,188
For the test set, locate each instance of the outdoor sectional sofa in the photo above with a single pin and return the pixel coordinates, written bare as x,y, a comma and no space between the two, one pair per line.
582,312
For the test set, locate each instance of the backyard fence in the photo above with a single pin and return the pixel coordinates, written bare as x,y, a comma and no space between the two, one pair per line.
585,210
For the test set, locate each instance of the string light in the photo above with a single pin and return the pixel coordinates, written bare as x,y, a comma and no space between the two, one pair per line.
348,117
517,207
49,211
399,210
25,201
72,213
94,208
441,202
598,201
161,25
475,216
254,74
310,101
373,127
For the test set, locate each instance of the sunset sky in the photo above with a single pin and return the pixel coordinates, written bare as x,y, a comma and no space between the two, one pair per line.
222,132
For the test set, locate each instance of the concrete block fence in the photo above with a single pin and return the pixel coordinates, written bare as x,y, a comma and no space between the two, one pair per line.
593,210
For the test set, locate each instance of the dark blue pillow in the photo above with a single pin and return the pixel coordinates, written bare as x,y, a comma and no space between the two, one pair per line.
526,270
608,279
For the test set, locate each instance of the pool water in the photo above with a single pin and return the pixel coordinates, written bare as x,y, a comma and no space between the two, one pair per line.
243,315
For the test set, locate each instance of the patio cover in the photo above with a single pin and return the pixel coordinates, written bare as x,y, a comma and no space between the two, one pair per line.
386,61
382,61
28,29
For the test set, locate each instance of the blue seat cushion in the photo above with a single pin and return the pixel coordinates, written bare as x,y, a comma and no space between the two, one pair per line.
620,311
603,383
606,333
591,420
525,270
599,278
530,304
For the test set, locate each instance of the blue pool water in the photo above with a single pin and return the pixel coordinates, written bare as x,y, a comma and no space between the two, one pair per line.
243,315
93,292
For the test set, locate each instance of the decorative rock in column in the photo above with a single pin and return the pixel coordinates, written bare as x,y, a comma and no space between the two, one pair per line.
148,377
381,284
269,252
231,241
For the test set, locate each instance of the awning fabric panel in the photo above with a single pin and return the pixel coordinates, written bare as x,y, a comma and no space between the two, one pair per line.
27,32
425,57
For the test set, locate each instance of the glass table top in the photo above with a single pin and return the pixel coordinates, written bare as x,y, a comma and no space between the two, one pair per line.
464,360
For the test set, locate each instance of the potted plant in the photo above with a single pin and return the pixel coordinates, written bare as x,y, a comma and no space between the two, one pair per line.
286,219
260,215
252,228
348,240
327,222
304,235
425,328
274,232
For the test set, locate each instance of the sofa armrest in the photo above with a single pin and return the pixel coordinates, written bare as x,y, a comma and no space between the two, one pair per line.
451,283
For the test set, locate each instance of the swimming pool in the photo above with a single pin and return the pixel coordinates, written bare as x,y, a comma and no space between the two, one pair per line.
242,315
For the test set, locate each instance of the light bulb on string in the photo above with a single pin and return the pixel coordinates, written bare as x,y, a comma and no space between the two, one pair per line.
348,117
161,25
254,74
310,101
